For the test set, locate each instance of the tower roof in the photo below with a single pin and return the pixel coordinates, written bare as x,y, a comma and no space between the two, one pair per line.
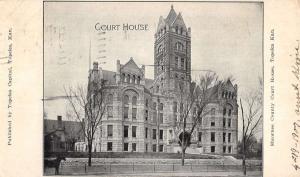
172,16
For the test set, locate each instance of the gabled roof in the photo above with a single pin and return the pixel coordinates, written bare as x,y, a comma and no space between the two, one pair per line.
131,64
179,21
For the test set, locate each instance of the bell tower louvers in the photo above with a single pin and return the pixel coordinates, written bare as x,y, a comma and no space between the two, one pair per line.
172,54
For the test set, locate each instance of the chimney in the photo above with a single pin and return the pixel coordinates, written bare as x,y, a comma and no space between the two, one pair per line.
95,65
118,79
59,122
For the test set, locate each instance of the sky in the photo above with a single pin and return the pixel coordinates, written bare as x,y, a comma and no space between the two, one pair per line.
225,38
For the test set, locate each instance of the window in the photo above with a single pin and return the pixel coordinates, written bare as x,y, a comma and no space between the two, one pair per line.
110,99
126,112
123,77
224,111
199,136
181,30
125,131
181,107
212,149
146,132
224,137
224,122
161,106
179,46
134,100
161,134
133,79
128,78
157,89
212,136
229,112
229,122
146,103
161,118
146,115
134,131
176,29
109,111
133,147
176,62
160,49
146,147
109,146
212,124
138,80
154,134
229,137
154,106
174,106
229,149
125,146
182,63
133,113
154,117
154,147
109,130
224,149
213,111
161,148
126,99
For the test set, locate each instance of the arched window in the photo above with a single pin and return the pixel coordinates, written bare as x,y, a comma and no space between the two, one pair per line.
133,79
176,29
224,111
229,95
128,78
181,30
110,99
126,99
123,77
226,94
138,80
134,100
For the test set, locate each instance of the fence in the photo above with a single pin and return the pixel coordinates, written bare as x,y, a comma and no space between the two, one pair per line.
150,168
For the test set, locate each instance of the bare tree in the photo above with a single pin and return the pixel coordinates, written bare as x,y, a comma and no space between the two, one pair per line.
196,98
90,106
251,117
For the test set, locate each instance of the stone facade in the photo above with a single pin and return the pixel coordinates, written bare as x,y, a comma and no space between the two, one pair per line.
141,113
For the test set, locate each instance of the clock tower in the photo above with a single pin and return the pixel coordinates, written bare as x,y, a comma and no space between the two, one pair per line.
172,55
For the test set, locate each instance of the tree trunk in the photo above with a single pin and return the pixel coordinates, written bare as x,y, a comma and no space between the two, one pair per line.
182,157
244,164
90,154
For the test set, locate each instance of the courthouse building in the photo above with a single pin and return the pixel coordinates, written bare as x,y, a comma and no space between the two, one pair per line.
142,113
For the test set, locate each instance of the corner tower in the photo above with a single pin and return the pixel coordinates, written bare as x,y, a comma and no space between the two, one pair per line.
172,54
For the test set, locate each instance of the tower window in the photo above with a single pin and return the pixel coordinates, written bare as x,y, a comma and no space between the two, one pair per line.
179,46
176,62
212,136
182,63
